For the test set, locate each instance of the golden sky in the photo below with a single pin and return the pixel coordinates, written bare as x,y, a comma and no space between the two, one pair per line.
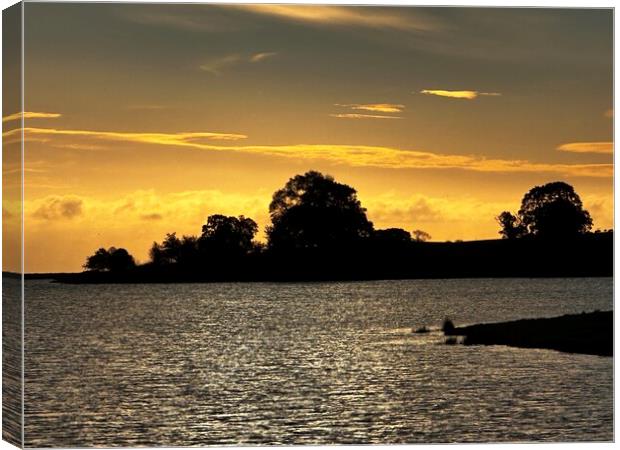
146,119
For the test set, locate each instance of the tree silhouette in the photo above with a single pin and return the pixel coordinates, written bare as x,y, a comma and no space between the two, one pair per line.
112,260
421,236
553,210
227,235
167,252
172,250
312,211
512,227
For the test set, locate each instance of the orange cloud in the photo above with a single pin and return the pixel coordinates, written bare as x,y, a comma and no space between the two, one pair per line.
258,57
362,116
338,15
587,147
467,95
374,107
352,155
189,139
30,115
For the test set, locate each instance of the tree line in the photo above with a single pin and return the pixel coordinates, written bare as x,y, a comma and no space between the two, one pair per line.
313,214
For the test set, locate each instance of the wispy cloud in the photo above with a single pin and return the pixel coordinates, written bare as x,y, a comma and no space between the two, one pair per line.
195,18
387,108
258,57
191,139
349,15
216,66
465,95
374,107
362,116
351,155
30,115
22,170
587,147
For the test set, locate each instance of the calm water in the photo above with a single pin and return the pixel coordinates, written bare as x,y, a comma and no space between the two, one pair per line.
197,364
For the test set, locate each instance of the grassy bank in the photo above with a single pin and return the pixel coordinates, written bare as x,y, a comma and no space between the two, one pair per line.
587,333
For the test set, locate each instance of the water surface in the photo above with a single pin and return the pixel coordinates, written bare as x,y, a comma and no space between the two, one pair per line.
297,363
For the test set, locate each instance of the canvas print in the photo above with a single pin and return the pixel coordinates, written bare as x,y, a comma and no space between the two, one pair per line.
276,224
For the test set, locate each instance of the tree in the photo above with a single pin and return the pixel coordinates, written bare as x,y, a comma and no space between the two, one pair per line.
228,235
421,236
172,250
120,260
112,260
167,252
99,261
312,211
553,210
512,227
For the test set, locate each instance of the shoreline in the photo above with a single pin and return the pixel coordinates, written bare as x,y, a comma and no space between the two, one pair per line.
586,256
101,278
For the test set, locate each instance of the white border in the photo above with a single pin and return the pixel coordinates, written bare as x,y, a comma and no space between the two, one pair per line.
476,3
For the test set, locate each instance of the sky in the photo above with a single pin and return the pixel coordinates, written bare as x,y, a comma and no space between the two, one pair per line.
146,119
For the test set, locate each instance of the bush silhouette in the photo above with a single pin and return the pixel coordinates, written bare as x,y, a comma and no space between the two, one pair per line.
112,260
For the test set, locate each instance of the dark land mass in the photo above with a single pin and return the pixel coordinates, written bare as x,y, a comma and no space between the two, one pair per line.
588,333
589,255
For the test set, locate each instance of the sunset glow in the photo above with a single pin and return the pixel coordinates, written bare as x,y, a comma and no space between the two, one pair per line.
146,119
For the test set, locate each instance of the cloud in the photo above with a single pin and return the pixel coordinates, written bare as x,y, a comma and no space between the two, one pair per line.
55,207
453,217
466,95
374,107
587,147
371,107
601,206
348,16
258,57
24,170
30,115
100,225
392,210
191,139
196,18
350,155
71,146
216,66
363,116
